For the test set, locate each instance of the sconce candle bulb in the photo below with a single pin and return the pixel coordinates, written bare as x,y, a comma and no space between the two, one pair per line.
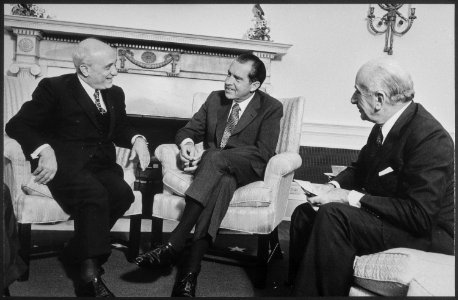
387,23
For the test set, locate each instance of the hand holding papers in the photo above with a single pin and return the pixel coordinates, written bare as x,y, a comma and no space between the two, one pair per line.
313,189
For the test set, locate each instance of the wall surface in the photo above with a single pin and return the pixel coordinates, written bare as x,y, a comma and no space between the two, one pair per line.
330,42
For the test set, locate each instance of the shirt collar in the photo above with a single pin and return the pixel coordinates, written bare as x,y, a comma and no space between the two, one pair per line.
386,127
243,105
89,90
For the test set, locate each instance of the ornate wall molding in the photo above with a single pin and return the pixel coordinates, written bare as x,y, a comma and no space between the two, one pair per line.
80,29
176,54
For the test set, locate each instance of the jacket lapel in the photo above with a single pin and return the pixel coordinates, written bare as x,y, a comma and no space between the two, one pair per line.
392,139
222,115
106,94
249,114
82,98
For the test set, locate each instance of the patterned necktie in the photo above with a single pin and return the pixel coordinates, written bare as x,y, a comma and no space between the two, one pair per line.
97,102
233,120
379,138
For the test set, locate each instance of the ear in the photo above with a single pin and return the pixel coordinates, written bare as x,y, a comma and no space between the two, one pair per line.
254,86
84,70
379,100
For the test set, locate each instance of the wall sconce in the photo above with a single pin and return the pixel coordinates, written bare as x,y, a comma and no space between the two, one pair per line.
387,23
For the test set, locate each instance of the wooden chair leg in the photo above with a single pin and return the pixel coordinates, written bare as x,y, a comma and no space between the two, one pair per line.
156,231
262,261
275,244
25,242
134,237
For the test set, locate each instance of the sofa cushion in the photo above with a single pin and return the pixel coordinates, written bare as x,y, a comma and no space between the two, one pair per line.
255,194
392,272
35,189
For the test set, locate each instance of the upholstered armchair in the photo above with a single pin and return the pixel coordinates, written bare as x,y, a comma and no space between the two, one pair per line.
33,203
256,208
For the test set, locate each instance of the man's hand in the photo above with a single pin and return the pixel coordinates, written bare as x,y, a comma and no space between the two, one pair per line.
140,149
47,166
333,195
190,157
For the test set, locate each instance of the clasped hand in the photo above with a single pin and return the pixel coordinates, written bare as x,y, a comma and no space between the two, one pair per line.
330,194
190,157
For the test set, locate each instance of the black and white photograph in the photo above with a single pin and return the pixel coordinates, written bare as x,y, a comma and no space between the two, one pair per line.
264,149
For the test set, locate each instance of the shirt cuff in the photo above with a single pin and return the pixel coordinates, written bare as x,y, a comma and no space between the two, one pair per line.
335,183
354,198
35,153
132,141
185,141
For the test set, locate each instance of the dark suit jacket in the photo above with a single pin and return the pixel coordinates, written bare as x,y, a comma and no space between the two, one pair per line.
418,195
255,135
63,115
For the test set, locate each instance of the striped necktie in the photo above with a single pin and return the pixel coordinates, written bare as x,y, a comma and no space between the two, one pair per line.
233,120
379,137
97,102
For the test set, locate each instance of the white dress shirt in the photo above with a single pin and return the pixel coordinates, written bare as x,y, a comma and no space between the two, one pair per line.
90,91
243,105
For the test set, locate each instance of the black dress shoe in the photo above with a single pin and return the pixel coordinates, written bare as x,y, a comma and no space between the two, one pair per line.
94,288
185,286
162,256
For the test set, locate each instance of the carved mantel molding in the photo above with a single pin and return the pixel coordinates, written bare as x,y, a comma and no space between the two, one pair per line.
158,71
177,54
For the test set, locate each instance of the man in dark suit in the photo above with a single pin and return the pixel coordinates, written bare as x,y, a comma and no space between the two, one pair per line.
68,130
239,128
399,193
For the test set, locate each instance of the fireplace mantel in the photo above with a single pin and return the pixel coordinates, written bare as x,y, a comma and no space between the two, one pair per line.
159,71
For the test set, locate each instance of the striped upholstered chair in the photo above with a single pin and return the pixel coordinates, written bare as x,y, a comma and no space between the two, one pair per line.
33,203
256,208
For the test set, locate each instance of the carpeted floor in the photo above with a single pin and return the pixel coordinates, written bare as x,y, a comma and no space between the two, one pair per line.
49,278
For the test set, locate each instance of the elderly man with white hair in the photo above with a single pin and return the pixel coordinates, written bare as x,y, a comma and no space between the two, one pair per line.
399,192
68,131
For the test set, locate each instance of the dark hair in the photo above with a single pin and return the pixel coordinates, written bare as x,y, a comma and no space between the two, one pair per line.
258,69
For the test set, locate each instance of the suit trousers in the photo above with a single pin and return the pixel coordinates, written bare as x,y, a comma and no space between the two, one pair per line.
96,197
324,245
218,175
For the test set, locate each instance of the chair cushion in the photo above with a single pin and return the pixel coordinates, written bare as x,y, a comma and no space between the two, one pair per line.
35,189
255,194
390,273
177,181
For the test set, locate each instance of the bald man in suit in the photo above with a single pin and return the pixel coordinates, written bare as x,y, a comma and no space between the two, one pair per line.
399,193
68,131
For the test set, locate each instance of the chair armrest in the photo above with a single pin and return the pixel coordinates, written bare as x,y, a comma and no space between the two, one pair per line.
12,150
167,154
278,176
16,169
129,166
281,165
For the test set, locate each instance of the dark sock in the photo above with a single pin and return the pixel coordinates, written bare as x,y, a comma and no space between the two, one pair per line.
89,269
197,252
191,213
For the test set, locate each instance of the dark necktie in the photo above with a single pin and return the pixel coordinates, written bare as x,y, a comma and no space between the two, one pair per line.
233,120
97,102
379,137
